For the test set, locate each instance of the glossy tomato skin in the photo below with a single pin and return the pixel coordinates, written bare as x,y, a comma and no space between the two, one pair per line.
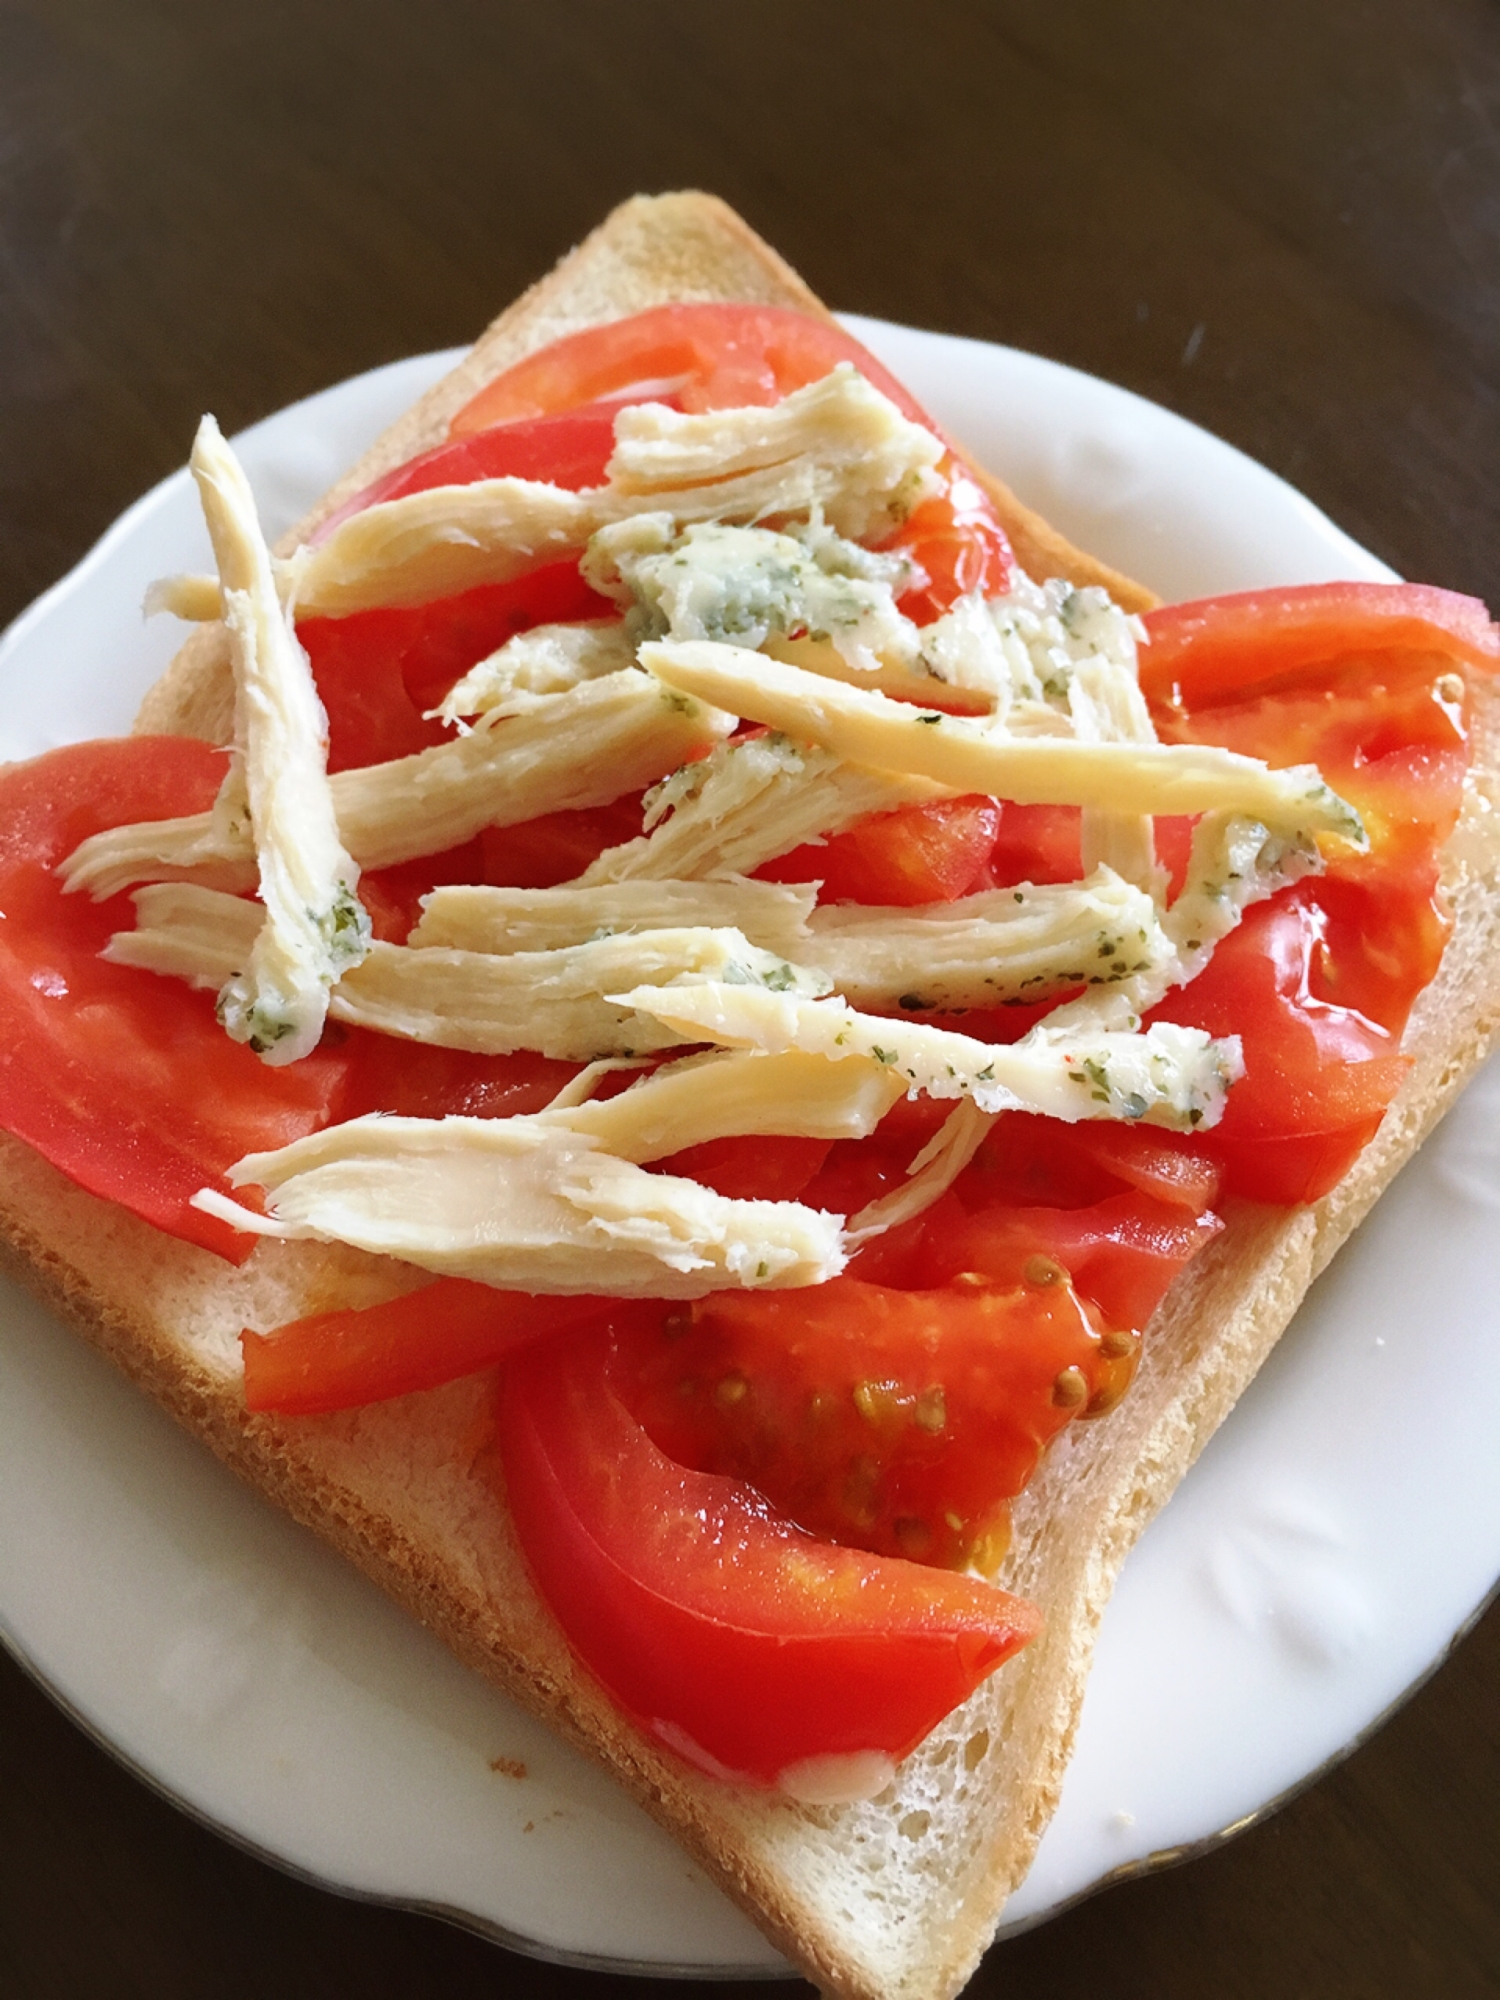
1318,1077
126,1082
957,542
725,1632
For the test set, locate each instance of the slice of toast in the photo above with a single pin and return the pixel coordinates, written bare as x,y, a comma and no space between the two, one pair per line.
897,1897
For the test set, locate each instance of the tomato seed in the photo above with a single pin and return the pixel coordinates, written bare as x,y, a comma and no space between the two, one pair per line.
1071,1389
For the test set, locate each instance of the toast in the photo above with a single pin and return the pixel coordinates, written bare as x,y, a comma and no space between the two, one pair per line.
897,1897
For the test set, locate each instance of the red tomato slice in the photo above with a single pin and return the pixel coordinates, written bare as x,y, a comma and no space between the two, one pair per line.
343,1360
540,853
750,1169
1121,1253
570,448
421,1080
1035,844
957,541
725,1632
1033,1162
892,1420
379,672
930,853
1224,647
713,357
124,1081
1317,1076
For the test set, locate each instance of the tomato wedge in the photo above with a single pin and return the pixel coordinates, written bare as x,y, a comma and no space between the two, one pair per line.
728,1634
127,1083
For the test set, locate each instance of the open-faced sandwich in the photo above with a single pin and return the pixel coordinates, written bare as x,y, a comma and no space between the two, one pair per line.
718,1056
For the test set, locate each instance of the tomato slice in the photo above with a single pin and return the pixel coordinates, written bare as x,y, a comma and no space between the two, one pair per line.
1120,1253
125,1082
1318,1076
378,672
1040,1162
569,448
421,1080
891,1420
930,853
540,853
343,1360
710,356
1218,647
759,1168
957,541
725,1632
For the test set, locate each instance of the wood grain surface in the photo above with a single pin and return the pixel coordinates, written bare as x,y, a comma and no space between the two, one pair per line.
1279,217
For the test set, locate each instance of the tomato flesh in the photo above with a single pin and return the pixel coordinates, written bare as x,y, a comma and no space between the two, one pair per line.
722,1629
378,672
895,1421
930,853
439,1333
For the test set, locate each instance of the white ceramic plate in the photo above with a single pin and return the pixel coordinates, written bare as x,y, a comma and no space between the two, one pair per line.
1304,1576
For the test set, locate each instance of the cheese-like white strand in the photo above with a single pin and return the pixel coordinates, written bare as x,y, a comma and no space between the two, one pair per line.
750,801
986,950
840,423
980,951
578,749
869,729
1168,1075
583,748
314,928
1235,862
538,1204
549,659
541,1211
706,1097
198,599
474,917
930,1175
838,445
547,1001
437,543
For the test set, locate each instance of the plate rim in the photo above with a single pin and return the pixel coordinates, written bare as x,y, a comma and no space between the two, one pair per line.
34,614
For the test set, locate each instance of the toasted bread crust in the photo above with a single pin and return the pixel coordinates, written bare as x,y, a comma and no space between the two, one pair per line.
865,1906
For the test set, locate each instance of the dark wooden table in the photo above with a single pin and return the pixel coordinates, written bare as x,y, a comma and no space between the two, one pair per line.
1280,218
